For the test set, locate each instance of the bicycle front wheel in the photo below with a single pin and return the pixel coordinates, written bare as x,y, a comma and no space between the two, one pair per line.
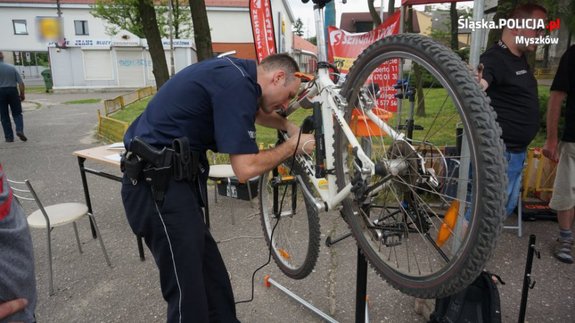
428,223
290,224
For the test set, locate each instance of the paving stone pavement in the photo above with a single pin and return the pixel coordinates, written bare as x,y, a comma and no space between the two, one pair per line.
87,290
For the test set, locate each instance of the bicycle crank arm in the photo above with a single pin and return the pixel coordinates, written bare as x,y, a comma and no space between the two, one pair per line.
316,204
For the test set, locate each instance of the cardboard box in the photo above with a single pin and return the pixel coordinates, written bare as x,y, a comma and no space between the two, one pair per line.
231,187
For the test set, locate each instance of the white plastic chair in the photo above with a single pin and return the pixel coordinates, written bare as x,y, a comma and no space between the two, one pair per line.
519,225
53,216
220,172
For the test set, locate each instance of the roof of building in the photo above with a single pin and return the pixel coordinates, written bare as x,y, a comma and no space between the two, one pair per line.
302,44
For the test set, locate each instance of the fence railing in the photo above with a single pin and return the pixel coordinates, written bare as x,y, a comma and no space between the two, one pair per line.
118,103
111,129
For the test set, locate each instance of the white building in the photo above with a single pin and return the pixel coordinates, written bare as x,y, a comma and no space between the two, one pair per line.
93,59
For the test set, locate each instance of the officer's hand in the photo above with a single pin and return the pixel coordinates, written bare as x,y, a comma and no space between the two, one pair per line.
306,143
22,97
12,307
292,129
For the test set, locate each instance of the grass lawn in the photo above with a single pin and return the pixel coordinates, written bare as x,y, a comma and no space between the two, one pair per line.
35,89
132,111
83,101
440,118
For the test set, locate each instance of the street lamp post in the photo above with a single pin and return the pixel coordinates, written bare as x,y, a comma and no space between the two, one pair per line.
171,23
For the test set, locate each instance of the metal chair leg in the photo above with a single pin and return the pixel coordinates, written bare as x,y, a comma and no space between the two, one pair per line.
250,193
520,218
519,226
50,273
77,237
232,215
100,239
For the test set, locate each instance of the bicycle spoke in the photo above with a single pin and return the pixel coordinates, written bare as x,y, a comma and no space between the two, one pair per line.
420,219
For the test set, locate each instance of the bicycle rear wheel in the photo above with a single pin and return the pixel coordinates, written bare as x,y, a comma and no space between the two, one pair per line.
446,163
290,224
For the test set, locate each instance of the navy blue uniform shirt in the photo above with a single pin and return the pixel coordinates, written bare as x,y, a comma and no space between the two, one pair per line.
212,102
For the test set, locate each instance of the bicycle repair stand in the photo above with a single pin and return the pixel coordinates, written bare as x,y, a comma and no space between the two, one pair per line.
361,306
528,283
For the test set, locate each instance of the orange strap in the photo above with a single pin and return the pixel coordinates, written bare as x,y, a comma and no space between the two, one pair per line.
304,77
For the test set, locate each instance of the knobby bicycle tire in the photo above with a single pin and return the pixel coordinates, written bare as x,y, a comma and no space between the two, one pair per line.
296,235
399,230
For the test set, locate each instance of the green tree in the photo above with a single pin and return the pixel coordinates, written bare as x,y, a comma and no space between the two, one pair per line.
124,15
504,8
139,18
120,14
298,27
202,34
417,72
181,21
152,32
453,16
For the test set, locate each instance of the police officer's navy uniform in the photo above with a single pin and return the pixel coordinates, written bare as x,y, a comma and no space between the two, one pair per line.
212,103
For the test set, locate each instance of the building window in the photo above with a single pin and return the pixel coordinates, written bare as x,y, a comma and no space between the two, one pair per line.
81,27
20,27
363,26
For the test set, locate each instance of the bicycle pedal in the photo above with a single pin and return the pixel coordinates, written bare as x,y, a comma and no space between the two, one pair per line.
282,180
388,240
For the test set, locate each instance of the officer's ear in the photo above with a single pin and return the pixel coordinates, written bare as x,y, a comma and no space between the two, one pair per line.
279,77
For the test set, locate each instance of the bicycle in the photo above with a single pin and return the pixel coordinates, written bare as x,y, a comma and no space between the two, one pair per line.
403,189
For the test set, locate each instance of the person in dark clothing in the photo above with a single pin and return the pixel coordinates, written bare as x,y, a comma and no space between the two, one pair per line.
17,276
212,105
10,83
563,199
510,84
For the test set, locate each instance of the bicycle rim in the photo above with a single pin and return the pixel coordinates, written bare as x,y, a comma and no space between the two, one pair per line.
411,223
294,225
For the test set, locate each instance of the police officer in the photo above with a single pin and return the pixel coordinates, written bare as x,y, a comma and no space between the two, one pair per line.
212,105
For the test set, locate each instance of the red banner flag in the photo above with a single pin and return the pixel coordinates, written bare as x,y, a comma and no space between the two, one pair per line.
262,28
345,47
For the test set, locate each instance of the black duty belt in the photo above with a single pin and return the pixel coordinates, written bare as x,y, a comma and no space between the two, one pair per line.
159,166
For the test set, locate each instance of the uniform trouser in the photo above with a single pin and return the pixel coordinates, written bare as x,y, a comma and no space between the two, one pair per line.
193,277
9,96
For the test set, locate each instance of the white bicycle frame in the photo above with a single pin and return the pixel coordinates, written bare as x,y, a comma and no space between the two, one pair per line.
323,90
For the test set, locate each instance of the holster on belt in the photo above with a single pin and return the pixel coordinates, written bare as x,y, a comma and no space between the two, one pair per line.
132,166
185,162
158,166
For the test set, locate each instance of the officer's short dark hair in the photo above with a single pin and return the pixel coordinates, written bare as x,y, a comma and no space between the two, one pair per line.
526,11
281,61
